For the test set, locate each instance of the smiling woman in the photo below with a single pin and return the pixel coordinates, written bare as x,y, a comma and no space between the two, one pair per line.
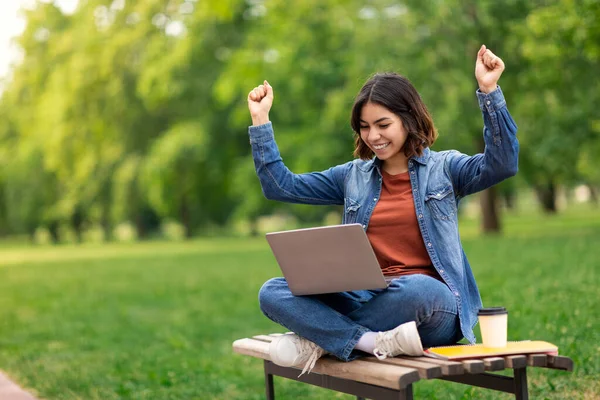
405,196
391,101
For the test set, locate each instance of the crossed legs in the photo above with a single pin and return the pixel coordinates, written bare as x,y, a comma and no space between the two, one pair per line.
337,321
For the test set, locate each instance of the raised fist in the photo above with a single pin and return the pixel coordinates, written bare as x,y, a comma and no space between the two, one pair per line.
488,69
260,100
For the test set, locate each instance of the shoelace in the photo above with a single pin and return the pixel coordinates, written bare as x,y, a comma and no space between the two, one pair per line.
380,354
313,351
312,360
386,342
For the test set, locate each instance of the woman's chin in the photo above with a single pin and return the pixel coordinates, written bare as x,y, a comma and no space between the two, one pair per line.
384,154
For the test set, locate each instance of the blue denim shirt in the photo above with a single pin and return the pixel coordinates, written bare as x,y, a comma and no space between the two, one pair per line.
438,179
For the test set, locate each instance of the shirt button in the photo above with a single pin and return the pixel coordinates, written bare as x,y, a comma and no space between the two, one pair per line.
364,226
488,102
412,172
420,215
456,294
441,271
429,244
375,199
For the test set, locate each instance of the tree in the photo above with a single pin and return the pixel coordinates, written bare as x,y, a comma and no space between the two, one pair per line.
560,45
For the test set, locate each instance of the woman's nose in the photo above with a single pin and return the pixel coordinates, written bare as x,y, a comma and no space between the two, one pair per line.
373,134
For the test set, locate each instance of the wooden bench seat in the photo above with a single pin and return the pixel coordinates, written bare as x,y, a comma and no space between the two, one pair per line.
392,378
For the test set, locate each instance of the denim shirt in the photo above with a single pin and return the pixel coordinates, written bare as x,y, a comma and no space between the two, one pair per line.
438,180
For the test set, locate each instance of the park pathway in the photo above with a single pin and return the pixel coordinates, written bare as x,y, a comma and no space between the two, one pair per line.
10,391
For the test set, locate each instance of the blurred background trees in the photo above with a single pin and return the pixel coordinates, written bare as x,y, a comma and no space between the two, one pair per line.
135,112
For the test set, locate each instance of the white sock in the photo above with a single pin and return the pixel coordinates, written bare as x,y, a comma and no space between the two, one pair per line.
366,342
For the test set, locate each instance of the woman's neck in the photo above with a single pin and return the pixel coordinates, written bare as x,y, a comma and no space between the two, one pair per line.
396,165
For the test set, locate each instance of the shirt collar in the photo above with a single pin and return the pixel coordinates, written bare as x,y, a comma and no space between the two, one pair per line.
422,159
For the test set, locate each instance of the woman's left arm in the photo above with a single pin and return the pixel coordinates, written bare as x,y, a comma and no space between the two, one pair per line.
499,160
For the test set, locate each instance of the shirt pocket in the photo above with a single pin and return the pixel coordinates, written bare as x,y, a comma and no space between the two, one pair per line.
441,203
350,211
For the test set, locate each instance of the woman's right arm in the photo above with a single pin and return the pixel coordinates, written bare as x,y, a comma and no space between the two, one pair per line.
277,181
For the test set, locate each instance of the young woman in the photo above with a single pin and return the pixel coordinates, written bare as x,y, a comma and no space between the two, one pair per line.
405,196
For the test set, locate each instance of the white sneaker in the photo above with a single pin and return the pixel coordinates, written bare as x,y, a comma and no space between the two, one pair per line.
290,350
403,339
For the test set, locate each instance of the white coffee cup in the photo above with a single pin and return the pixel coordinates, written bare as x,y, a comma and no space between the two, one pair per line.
493,322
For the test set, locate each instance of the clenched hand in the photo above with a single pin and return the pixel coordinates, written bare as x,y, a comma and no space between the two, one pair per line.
488,69
260,100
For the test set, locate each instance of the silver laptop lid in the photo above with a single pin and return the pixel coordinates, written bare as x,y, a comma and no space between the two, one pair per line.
326,259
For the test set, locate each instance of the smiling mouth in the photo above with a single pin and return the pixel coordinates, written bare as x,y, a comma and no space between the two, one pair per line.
381,146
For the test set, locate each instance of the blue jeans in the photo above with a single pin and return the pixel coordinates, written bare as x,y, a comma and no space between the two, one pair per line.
336,321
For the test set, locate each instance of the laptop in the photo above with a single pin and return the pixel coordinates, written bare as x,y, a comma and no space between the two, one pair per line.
327,259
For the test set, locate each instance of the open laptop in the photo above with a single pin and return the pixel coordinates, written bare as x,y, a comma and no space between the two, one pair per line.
327,259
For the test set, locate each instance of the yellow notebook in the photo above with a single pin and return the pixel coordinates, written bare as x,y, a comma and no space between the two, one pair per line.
459,352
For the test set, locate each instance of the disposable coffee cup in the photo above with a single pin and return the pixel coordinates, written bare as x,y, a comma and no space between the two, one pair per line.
493,322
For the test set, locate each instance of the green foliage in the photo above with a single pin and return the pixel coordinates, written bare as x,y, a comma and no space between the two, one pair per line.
560,45
125,110
173,171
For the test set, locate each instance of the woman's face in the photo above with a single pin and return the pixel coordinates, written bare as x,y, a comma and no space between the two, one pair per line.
383,132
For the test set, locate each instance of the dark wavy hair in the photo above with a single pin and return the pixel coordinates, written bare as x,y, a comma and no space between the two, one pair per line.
397,94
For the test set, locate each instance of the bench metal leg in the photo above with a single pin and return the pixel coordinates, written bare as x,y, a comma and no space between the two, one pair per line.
521,384
269,388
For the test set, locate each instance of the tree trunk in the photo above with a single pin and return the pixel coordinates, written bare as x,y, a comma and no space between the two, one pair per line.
593,195
106,228
77,224
546,194
490,223
184,214
53,230
140,226
105,221
509,199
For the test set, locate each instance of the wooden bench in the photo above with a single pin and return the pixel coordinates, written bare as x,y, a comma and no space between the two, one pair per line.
393,378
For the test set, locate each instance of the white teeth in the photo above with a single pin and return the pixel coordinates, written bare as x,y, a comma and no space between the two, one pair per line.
381,146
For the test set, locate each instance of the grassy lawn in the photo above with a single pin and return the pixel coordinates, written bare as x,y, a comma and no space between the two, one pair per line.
156,320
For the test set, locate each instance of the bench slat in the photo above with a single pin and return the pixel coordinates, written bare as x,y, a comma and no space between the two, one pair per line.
379,374
493,363
263,338
251,347
560,362
448,367
473,366
518,361
537,360
426,370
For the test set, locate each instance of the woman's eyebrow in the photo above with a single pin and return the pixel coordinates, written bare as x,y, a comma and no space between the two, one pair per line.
379,120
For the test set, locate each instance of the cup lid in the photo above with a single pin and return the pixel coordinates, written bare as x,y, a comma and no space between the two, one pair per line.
492,311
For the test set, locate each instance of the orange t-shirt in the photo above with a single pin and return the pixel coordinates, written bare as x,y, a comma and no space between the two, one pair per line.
394,231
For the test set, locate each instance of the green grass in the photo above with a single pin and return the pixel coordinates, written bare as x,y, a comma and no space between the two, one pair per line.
156,320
